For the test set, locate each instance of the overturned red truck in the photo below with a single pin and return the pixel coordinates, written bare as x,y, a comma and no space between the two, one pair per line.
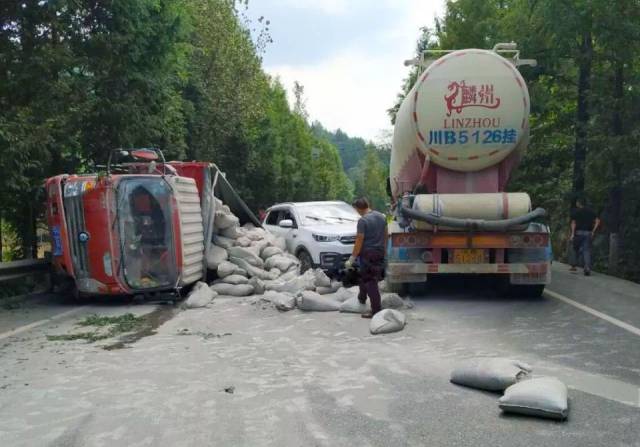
138,228
459,134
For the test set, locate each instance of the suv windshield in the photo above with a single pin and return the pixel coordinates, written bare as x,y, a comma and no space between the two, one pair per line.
146,234
327,214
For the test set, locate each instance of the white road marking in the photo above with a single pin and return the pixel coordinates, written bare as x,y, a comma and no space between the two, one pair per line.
621,324
39,323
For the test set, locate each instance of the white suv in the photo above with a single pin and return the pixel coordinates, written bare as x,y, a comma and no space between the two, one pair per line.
320,234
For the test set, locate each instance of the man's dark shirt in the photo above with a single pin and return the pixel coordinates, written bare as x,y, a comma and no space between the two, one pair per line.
585,219
372,226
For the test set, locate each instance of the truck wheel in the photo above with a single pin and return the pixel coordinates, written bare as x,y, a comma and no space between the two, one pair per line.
306,262
401,288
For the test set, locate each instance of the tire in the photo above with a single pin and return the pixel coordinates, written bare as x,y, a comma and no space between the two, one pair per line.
306,262
401,288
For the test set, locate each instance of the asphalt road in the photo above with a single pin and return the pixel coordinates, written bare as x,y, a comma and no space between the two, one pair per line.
243,374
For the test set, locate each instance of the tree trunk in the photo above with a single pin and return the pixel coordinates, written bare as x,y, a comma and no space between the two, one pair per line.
615,191
582,121
1,237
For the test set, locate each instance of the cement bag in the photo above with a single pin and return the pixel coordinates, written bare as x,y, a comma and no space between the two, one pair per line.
216,256
280,242
312,302
255,271
235,279
246,254
232,290
295,285
223,242
492,374
333,288
258,285
543,397
200,296
383,286
231,233
344,294
289,275
225,220
227,268
279,262
352,305
255,234
258,246
282,301
269,251
243,241
321,278
387,321
392,301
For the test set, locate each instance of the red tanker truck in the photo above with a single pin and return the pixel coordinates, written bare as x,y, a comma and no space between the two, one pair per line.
459,134
139,228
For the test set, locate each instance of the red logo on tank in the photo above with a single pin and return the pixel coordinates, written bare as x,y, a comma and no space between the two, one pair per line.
463,95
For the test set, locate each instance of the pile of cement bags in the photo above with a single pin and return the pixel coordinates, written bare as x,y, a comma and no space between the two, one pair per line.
251,261
543,396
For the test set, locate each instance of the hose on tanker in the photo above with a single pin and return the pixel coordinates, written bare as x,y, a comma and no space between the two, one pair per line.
472,224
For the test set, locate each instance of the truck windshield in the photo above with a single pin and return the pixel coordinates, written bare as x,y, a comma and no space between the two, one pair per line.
146,234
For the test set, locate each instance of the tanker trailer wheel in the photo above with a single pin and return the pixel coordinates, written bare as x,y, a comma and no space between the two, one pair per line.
306,262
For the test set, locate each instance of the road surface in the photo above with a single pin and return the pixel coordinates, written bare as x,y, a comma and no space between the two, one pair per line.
241,373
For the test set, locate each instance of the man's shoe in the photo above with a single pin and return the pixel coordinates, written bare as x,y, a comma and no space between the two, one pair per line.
587,273
367,315
573,269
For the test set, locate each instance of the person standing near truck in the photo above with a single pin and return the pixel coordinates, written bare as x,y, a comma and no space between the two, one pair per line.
584,224
369,247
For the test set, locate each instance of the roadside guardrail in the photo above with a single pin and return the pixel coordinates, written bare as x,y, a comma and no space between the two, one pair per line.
25,267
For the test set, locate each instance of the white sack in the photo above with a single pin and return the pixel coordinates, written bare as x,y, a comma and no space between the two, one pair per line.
312,302
243,241
492,374
258,285
255,234
255,271
544,397
280,242
387,321
279,262
383,286
295,285
235,279
246,254
222,241
231,233
269,251
200,296
392,301
283,301
352,305
227,268
344,294
216,256
232,290
223,220
322,280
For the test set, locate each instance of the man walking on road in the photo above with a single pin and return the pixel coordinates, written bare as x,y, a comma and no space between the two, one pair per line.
584,224
370,246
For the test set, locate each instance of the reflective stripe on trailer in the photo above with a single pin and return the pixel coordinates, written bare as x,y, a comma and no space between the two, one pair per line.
406,268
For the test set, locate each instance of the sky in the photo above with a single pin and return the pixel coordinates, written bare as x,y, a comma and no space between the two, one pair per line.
348,55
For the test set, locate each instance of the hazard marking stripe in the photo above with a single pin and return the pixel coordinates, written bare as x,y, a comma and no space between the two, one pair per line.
433,151
453,158
474,157
493,153
415,116
421,137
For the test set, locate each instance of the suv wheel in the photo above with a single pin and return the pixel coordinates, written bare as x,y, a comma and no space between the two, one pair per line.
306,262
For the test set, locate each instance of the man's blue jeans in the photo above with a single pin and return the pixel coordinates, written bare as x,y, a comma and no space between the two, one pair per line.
582,245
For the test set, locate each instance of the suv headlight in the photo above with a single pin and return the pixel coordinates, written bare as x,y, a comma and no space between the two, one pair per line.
325,238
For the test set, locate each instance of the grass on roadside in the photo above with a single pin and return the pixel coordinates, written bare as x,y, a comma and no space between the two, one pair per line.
114,326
